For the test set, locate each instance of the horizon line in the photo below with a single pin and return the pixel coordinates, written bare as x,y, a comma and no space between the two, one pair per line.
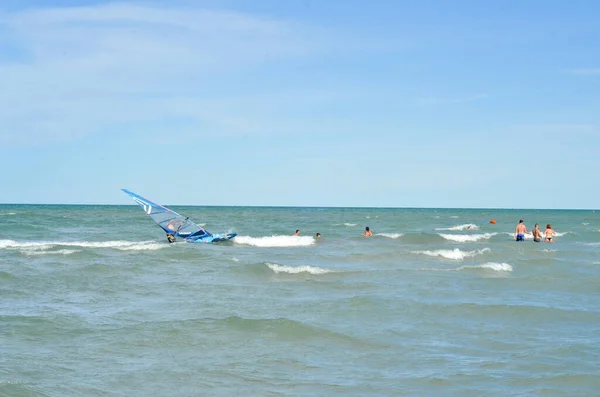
309,206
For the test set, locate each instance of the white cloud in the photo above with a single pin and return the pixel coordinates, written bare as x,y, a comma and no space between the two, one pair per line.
83,70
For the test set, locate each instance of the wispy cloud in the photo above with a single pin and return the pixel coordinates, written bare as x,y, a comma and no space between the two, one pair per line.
439,101
585,71
82,70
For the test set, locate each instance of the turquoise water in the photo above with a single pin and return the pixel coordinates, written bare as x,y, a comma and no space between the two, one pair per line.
95,302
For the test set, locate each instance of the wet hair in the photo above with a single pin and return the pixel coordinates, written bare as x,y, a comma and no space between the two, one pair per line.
536,225
521,221
367,228
297,230
318,234
548,226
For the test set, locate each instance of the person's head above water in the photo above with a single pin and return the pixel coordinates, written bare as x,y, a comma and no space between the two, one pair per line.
297,232
318,235
367,228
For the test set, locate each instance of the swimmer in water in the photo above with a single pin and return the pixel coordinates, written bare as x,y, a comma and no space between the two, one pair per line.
537,234
520,231
549,234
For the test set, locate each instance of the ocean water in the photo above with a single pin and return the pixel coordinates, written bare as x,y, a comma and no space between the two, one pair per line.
95,302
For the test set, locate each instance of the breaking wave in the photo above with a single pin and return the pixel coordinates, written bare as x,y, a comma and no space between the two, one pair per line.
493,266
455,254
50,245
498,267
44,252
275,241
390,235
463,238
467,226
297,269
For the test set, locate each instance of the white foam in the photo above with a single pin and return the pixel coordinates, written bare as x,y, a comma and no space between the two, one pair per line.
390,235
350,224
46,245
148,246
557,234
7,213
58,252
585,223
297,269
463,238
498,267
13,244
455,254
454,216
275,241
466,226
235,259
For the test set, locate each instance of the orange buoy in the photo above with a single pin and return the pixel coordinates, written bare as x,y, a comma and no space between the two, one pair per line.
493,221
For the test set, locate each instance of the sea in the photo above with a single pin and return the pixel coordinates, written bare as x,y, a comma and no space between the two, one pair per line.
438,302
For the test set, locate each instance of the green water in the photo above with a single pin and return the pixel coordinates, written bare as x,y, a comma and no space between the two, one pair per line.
95,302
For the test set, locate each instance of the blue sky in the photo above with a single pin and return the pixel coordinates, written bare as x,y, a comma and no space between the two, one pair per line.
301,103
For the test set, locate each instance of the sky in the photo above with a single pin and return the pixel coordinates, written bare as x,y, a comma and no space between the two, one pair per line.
377,103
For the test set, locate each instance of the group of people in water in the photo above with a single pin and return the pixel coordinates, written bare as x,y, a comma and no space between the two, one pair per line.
521,231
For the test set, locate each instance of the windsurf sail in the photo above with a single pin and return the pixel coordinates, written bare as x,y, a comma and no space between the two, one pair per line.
170,221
